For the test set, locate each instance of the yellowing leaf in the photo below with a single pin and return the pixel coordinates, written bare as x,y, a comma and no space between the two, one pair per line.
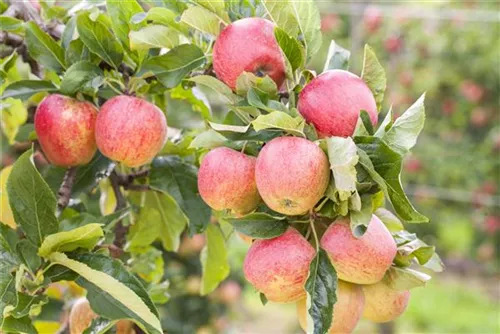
214,260
81,237
107,201
14,114
6,215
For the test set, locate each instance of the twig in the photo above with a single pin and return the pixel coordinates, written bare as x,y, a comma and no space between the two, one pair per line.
121,203
64,193
311,223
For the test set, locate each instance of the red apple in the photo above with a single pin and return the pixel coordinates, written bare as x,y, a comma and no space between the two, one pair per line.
372,18
471,91
332,103
359,260
130,130
292,174
279,267
384,304
449,106
66,130
346,312
479,117
329,22
226,181
248,45
413,164
393,44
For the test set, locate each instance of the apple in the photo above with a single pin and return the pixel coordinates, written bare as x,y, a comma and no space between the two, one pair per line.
292,174
192,245
361,260
81,317
382,303
229,292
279,267
332,103
413,164
226,181
248,45
479,117
329,22
393,44
471,91
65,128
6,215
372,18
346,312
130,130
449,106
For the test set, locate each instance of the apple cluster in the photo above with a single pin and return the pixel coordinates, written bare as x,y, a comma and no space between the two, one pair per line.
290,175
127,129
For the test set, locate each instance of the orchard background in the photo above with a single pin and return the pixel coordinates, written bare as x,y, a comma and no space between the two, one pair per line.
148,227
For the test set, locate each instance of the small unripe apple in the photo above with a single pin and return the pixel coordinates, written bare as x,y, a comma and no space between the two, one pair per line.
382,303
333,101
346,312
130,130
359,260
248,45
65,128
279,267
292,175
6,215
226,181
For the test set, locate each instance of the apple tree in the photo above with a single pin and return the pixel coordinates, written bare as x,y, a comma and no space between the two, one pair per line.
134,123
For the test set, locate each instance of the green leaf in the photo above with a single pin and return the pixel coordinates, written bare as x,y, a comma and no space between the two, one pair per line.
27,253
173,66
22,325
179,179
68,33
390,221
360,219
337,58
385,125
11,24
259,225
415,249
282,121
97,37
374,75
148,264
216,7
214,260
153,36
33,203
291,48
99,326
25,303
264,86
164,16
435,263
321,288
112,291
263,299
403,134
43,48
208,139
405,278
78,75
384,167
83,237
309,22
217,86
281,13
13,115
343,159
230,128
120,13
24,89
201,19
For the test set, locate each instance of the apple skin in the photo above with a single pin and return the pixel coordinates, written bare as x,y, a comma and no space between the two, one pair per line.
346,312
66,130
279,267
292,175
248,45
382,303
130,130
333,101
364,260
226,180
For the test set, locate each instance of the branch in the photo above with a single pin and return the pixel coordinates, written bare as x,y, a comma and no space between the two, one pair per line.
121,203
64,193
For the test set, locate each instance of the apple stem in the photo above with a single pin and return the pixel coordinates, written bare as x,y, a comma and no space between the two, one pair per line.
311,223
244,146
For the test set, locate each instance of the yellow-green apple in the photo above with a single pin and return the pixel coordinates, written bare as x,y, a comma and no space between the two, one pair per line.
130,130
346,312
248,45
382,303
226,181
361,260
279,267
292,174
333,101
65,128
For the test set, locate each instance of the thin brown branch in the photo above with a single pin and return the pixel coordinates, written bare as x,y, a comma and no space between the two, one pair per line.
121,203
64,193
138,187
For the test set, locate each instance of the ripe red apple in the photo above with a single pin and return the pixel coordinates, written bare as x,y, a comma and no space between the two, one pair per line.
382,303
364,260
449,106
229,292
66,130
279,267
413,164
372,18
332,103
329,22
226,181
292,174
471,91
393,44
346,312
130,130
248,45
